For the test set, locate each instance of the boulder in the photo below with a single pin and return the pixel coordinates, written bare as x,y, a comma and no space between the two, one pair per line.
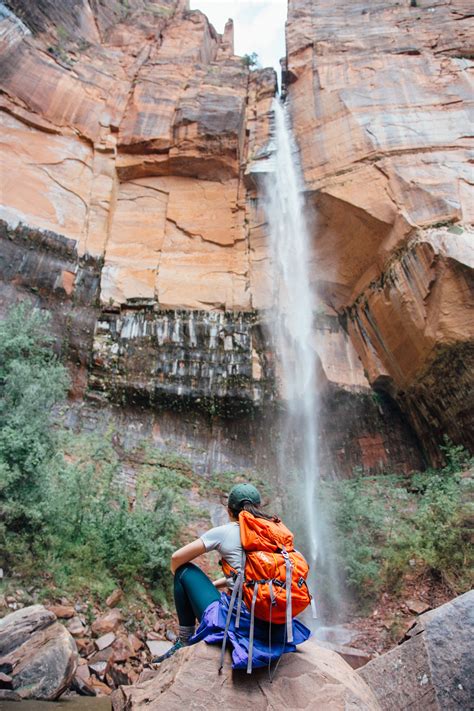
64,612
114,598
157,647
82,683
354,657
105,641
314,677
8,695
76,627
107,623
37,652
432,669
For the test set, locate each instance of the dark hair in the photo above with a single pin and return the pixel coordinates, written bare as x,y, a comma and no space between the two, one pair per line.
254,510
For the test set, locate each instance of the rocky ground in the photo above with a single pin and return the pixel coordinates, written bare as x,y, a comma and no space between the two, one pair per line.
386,624
117,640
39,661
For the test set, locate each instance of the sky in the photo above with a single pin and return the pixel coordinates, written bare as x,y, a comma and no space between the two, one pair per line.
259,26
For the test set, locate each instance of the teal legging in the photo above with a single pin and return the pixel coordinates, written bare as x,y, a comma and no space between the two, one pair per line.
193,592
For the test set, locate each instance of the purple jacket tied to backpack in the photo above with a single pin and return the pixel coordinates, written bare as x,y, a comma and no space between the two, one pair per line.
265,650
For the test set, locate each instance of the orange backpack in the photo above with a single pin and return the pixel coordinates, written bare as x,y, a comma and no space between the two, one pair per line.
271,568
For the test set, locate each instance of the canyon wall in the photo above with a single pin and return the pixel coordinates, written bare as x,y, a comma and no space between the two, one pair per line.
381,98
132,141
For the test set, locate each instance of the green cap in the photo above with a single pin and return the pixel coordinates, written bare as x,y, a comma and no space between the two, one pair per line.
243,492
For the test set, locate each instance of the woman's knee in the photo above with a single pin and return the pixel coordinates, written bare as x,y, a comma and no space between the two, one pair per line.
179,572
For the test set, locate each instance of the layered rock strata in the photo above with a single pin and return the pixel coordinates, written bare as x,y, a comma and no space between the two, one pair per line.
44,269
212,360
124,127
381,100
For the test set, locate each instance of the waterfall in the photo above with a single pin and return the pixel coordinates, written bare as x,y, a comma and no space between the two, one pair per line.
291,327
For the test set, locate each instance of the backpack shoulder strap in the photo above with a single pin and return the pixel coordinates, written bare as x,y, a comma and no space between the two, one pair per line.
252,628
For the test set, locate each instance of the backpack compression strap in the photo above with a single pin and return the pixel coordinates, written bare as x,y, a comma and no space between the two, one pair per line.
237,585
252,627
236,593
289,615
241,588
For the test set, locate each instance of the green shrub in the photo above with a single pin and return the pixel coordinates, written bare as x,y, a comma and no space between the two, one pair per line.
64,510
358,525
32,381
98,532
250,60
382,525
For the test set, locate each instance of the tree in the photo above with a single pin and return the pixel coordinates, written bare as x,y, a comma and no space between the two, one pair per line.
32,381
250,60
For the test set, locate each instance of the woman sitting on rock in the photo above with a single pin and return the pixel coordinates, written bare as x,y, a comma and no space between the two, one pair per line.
251,617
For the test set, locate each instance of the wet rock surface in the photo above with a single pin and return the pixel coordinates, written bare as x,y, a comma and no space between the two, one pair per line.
313,677
432,669
37,652
197,357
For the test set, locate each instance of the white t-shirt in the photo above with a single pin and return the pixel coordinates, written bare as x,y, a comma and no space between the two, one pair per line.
226,540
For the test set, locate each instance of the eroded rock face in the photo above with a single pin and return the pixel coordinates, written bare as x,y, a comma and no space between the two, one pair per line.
132,143
37,652
196,357
124,127
380,97
433,668
313,678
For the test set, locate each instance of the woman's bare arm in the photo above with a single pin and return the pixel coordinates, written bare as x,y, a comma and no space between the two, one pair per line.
187,553
220,583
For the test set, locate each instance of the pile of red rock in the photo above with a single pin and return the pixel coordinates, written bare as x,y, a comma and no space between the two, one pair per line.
87,650
110,654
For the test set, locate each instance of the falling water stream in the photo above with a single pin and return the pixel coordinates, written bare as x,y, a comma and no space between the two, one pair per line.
291,326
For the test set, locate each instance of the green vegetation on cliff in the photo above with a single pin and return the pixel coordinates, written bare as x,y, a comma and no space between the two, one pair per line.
384,526
65,514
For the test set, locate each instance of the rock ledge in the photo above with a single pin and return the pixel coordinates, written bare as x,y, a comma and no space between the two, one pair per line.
311,678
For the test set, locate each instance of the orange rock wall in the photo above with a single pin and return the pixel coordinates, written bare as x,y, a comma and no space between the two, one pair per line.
125,131
129,131
381,97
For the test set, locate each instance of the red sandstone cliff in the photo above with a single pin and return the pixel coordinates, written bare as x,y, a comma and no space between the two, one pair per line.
124,127
381,96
